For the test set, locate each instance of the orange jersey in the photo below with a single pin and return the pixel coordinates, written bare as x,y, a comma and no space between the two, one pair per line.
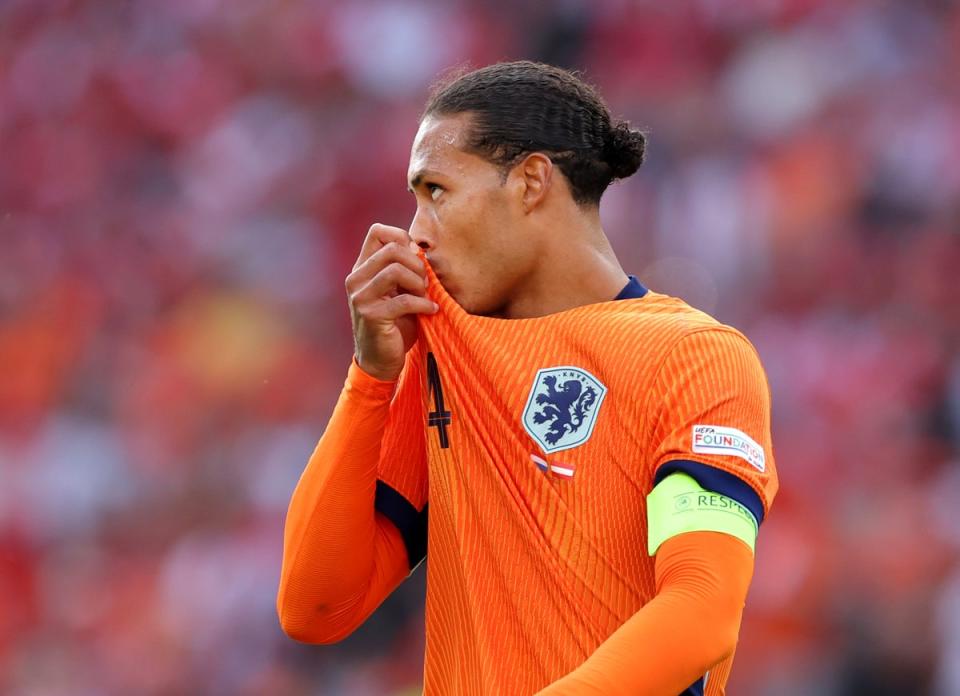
535,443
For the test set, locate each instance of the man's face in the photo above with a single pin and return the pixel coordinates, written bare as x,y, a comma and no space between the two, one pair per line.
468,221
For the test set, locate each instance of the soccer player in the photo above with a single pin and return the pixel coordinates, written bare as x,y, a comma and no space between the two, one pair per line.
595,456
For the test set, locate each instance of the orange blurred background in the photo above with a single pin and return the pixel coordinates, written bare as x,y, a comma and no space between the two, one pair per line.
185,184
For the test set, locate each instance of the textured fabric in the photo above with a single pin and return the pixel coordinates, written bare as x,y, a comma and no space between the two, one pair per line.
411,523
633,289
340,558
702,580
536,557
403,454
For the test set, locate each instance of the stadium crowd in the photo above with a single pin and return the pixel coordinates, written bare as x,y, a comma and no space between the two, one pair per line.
185,184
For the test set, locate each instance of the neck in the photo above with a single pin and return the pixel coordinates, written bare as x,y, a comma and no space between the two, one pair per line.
575,268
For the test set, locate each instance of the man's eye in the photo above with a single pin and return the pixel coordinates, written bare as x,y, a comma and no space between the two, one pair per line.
435,190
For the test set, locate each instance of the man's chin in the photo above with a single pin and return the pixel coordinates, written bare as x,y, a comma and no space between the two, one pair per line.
471,305
479,310
460,299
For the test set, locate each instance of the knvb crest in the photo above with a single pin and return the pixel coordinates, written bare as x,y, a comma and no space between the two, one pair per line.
562,408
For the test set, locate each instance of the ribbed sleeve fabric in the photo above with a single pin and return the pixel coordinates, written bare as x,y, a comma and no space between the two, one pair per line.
341,559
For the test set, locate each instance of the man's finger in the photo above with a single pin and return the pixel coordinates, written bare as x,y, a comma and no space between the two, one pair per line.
393,278
401,305
383,257
378,236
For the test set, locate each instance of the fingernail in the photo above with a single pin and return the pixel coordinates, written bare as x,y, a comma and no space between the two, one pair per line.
436,307
413,247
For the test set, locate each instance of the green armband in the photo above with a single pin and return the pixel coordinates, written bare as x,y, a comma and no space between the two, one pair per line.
679,504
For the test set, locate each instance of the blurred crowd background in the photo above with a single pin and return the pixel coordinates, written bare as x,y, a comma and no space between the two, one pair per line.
184,185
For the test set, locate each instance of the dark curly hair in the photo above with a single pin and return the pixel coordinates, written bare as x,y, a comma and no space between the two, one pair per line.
523,107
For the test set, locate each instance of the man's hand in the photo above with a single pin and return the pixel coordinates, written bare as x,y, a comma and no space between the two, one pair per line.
385,290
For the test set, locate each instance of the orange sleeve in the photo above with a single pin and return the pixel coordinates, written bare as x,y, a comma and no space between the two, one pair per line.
341,558
713,422
402,474
688,627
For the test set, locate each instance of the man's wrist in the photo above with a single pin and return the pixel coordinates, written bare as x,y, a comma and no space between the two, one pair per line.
362,381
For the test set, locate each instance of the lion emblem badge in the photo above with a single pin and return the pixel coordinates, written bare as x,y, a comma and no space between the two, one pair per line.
562,407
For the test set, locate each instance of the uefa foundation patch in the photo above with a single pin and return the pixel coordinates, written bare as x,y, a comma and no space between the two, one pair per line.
715,439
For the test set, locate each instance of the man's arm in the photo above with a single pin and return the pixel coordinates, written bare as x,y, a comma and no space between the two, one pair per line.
341,559
703,542
690,626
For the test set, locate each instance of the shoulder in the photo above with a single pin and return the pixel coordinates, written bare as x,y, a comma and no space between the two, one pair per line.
669,322
683,345
663,310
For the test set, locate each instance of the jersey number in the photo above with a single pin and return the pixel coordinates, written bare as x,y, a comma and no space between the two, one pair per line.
440,418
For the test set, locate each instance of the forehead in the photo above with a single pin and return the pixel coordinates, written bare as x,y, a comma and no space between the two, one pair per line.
437,144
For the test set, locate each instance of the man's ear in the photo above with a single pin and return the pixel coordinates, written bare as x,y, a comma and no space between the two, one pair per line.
534,177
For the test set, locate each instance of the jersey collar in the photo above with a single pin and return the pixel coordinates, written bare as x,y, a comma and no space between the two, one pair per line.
632,290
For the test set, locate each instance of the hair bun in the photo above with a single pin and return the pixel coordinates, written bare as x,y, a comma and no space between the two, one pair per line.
624,150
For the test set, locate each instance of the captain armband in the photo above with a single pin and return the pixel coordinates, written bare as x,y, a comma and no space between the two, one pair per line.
679,504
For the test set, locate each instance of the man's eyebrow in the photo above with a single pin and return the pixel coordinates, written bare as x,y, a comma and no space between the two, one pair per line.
418,178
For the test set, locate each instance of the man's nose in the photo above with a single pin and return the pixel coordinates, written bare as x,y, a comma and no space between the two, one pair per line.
421,231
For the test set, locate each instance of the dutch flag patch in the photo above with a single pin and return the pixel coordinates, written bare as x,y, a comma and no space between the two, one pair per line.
564,470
